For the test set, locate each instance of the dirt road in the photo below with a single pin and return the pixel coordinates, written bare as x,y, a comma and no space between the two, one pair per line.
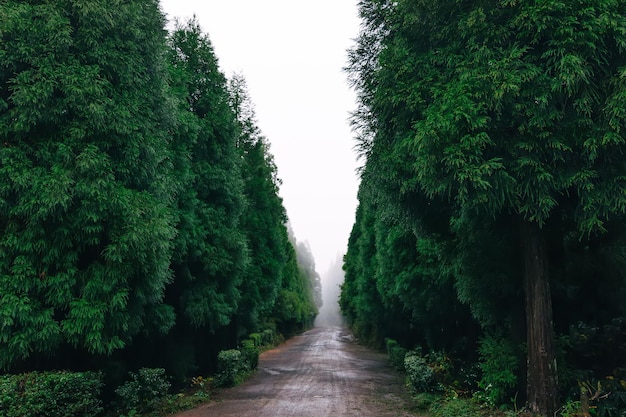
322,372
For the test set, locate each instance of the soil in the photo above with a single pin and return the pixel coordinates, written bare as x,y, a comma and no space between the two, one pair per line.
323,372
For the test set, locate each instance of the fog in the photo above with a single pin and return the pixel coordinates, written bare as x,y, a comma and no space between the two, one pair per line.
330,313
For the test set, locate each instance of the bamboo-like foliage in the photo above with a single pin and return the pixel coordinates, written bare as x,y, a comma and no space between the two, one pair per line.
86,219
485,122
139,208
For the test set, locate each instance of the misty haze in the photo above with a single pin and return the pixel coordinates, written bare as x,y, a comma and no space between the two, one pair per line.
330,313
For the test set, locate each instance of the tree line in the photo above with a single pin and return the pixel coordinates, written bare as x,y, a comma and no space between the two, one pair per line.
492,200
140,221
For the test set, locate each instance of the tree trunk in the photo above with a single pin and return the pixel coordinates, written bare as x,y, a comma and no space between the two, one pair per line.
541,366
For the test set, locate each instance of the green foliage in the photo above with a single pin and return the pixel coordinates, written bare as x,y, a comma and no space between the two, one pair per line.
264,224
613,388
184,401
429,373
480,120
86,215
419,373
53,394
267,337
456,407
229,367
306,263
360,300
138,198
256,339
570,409
277,288
396,353
234,365
423,401
295,307
210,251
390,344
499,363
249,354
144,391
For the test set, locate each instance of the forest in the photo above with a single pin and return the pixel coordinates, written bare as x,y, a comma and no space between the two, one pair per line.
490,234
140,220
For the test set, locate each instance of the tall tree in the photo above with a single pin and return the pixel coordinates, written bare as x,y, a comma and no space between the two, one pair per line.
86,217
498,108
265,219
211,251
306,263
277,288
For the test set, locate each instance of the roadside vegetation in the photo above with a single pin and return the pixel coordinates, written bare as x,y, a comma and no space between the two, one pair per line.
490,237
141,230
148,392
443,386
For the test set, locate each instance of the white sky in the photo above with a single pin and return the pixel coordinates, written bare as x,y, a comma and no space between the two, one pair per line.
292,53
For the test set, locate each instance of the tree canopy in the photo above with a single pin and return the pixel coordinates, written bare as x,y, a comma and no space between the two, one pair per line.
140,221
493,133
86,198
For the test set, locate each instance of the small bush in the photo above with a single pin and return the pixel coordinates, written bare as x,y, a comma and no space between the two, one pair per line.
396,353
455,407
267,337
498,363
53,394
390,344
249,354
423,401
419,373
183,401
145,390
229,367
257,338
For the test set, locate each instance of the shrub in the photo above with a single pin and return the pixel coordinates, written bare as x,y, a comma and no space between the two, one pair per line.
257,338
145,390
390,344
419,373
249,354
229,367
53,394
267,337
423,401
498,363
442,367
455,407
396,354
613,405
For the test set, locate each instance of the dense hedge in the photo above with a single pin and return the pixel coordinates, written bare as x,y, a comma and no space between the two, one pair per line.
51,394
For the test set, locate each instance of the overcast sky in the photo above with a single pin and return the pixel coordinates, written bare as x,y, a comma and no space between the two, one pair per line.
292,53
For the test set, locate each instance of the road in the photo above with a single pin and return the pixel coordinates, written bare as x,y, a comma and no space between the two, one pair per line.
322,372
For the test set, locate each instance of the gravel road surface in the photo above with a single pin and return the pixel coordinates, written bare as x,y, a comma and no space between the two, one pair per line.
322,372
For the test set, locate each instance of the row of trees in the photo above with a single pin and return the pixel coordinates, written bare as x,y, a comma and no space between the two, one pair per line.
493,193
139,212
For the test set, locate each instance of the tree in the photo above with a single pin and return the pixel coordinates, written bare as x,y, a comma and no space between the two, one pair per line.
211,250
306,263
86,218
501,108
360,300
265,219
